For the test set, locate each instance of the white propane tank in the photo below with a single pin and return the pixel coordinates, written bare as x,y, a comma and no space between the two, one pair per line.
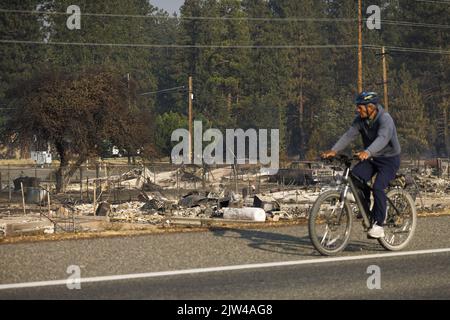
254,214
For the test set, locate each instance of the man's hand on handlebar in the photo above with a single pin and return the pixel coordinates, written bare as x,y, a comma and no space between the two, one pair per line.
362,155
328,154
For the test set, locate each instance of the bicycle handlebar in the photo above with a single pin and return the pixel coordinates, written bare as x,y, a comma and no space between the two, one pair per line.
343,159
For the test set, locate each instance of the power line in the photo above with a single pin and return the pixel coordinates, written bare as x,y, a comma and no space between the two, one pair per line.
175,46
415,24
405,49
112,15
293,19
433,1
182,88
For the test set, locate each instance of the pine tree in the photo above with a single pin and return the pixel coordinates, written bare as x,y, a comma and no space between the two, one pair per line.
306,67
132,62
409,114
432,71
263,104
217,72
18,61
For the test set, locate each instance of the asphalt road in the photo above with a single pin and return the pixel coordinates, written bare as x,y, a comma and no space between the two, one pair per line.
413,276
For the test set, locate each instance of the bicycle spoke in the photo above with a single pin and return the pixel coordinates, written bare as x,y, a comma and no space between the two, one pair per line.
325,235
401,221
392,239
406,226
333,241
331,225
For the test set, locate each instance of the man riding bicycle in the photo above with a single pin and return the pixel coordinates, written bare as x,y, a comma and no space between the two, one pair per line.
381,153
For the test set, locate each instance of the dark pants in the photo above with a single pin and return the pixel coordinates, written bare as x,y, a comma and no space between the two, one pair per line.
385,168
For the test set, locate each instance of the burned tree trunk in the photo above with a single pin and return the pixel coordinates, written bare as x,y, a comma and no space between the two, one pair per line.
64,173
446,130
66,170
60,185
60,173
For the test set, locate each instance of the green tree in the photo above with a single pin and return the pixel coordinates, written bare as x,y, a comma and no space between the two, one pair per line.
18,61
217,72
431,71
263,102
306,67
408,110
165,124
113,22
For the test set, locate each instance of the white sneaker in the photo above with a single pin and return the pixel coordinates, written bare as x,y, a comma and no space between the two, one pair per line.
376,231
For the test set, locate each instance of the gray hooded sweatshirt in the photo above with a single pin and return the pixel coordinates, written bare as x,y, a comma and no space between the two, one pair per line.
379,136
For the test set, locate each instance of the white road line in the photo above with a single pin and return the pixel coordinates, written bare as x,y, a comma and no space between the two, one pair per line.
217,269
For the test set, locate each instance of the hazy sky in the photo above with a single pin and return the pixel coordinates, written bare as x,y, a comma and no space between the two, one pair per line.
170,6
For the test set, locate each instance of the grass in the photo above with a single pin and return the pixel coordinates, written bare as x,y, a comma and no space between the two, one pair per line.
23,162
124,230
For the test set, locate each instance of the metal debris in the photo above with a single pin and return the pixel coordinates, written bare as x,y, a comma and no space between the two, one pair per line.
192,200
103,209
267,203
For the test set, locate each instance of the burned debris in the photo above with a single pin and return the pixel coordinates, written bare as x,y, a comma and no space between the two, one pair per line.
25,182
145,195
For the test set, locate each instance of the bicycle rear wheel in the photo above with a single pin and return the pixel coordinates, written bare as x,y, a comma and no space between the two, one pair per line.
401,223
330,225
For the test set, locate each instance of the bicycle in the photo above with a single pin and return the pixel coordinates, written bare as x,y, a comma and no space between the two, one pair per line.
330,220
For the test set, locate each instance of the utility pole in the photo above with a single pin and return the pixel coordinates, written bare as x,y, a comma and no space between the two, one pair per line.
128,86
301,116
190,118
385,81
446,132
360,65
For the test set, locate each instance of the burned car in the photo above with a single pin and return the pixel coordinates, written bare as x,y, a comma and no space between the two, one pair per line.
304,173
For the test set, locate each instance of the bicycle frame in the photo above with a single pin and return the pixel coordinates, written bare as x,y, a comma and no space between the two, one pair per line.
349,182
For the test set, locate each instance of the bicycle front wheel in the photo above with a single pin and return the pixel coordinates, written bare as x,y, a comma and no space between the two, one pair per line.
330,223
401,221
